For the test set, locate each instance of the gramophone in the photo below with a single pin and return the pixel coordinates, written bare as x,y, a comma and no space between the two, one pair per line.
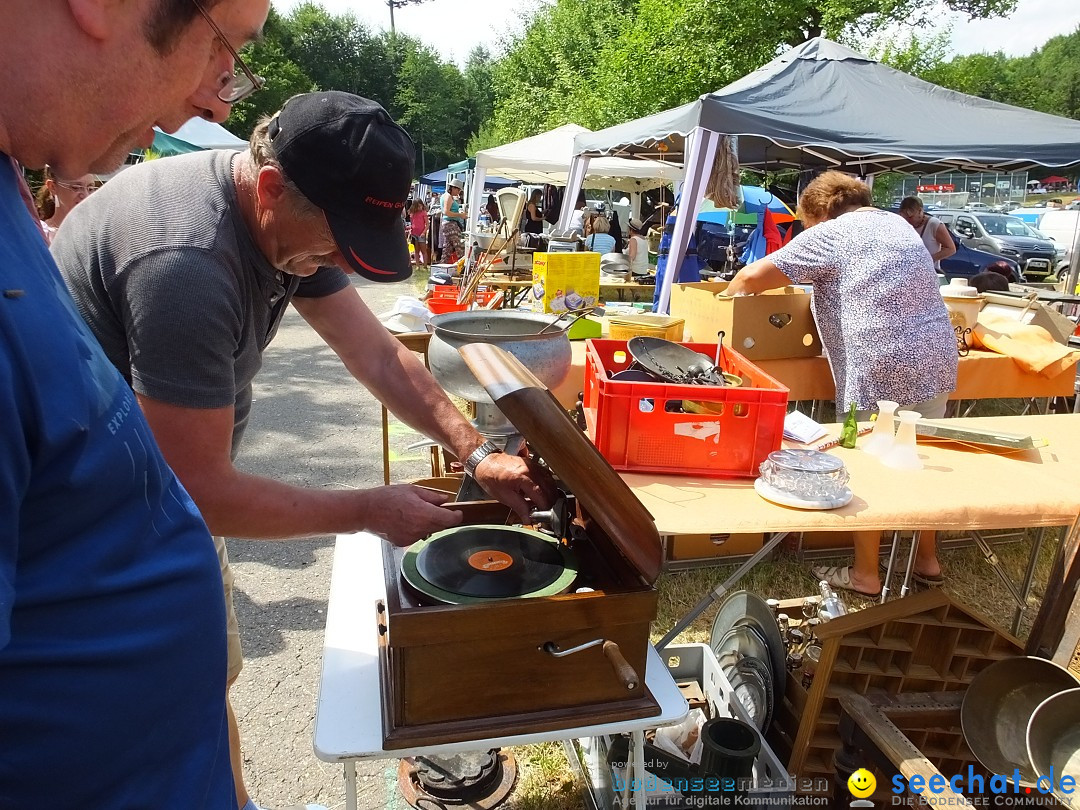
489,628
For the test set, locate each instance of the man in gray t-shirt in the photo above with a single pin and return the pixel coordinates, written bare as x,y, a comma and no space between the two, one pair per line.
182,267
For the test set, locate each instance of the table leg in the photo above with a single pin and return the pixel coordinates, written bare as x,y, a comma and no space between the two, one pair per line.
718,592
350,785
892,564
1029,576
995,563
910,564
1061,587
637,744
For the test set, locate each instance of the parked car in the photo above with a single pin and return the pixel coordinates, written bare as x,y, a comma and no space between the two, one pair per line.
1004,236
713,240
968,262
976,206
1062,226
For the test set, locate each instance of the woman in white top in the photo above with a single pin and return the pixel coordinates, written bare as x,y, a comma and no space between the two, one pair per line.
638,249
931,230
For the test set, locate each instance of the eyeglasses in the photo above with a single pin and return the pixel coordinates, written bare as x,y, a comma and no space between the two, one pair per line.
78,188
242,84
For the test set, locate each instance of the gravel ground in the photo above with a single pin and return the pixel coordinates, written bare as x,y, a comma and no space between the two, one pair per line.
311,425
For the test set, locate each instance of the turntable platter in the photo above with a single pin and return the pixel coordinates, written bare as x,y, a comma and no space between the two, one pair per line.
470,564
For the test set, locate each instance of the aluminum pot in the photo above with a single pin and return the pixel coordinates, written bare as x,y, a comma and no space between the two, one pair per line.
547,356
999,702
1053,740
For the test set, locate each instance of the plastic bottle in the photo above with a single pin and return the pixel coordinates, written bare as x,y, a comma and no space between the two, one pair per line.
882,437
850,431
832,606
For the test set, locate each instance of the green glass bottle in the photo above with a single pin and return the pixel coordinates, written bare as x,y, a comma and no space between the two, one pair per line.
850,431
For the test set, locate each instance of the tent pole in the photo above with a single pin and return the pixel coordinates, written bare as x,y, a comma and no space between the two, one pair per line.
698,169
574,182
1074,267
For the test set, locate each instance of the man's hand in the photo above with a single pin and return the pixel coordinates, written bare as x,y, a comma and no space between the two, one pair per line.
516,482
404,514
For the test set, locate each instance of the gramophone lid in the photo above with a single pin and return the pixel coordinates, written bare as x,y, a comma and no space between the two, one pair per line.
533,410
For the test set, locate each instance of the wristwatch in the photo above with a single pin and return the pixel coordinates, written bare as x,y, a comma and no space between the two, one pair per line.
478,455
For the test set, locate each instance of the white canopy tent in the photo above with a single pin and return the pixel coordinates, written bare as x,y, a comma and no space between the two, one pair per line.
546,158
209,135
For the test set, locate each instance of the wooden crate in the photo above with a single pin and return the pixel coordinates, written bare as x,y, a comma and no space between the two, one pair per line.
922,643
705,546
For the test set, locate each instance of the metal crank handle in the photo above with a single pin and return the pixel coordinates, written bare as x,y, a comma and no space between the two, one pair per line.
623,671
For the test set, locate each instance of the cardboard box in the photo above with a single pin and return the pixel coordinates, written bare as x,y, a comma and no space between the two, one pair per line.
773,325
704,546
564,281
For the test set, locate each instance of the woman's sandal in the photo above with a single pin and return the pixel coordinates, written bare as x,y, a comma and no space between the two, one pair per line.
839,576
926,580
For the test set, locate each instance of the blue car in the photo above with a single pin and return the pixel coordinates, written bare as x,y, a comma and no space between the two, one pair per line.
968,262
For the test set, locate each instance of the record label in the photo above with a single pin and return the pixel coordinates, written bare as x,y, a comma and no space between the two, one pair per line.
490,560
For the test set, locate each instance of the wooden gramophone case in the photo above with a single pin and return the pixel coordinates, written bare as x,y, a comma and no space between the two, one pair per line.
465,672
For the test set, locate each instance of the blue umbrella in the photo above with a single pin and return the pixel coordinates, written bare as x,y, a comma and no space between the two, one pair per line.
754,200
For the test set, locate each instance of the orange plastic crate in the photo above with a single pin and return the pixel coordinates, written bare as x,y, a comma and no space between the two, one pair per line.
444,299
642,427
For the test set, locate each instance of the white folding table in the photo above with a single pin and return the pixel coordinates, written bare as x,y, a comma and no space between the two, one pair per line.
348,717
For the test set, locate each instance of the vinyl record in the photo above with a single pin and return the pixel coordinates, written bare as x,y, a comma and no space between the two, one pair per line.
478,563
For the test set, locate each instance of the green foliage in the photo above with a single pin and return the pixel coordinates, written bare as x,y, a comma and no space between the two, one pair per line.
430,99
549,74
312,49
1047,79
601,62
284,78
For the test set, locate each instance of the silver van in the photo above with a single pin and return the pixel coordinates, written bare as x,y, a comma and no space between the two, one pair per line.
1006,236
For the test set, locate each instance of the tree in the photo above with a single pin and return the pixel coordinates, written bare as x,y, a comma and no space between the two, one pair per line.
431,99
284,78
653,66
599,62
549,75
796,21
479,86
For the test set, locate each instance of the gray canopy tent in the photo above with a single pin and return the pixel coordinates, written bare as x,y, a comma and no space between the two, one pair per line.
821,105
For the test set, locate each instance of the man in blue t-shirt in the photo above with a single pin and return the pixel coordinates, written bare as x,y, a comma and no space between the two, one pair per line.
112,644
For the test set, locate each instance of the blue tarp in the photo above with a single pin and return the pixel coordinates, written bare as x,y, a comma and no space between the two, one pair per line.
435,178
439,178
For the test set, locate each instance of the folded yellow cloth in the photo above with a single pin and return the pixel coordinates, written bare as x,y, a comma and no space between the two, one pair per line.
1031,347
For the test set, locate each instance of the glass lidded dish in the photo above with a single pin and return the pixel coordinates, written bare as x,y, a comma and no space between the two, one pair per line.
805,474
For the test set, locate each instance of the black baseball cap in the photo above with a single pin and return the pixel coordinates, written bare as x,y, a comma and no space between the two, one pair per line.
348,157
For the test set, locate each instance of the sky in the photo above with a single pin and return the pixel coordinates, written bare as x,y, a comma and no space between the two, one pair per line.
452,27
1034,22
455,27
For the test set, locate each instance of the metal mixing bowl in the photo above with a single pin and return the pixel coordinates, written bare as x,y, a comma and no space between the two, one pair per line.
547,356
